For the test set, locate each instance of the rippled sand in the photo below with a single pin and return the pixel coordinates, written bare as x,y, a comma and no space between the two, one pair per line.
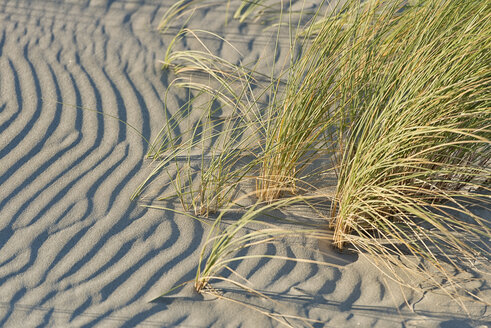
75,252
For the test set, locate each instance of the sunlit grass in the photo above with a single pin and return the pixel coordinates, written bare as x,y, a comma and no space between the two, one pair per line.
394,93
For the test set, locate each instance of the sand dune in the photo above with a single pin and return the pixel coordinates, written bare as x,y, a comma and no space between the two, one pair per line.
75,251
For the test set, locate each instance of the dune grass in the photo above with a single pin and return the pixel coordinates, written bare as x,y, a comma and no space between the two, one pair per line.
418,146
395,93
215,141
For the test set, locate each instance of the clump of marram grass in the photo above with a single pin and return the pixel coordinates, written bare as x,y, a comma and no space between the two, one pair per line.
405,108
419,140
223,242
221,142
315,109
398,95
422,122
214,144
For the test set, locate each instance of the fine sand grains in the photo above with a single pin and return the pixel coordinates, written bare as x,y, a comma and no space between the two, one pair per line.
75,252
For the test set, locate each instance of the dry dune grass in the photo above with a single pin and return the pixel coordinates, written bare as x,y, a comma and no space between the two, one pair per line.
396,94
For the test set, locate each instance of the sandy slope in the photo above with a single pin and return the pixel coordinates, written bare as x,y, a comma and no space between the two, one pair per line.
74,251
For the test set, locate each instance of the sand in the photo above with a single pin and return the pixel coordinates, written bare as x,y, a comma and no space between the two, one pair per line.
76,252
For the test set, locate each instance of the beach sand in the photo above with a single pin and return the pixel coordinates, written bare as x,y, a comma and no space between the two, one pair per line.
76,252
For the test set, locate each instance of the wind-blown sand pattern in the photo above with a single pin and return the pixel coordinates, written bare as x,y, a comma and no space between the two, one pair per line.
76,252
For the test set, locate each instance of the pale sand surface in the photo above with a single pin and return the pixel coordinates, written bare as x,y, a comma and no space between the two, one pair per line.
75,252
